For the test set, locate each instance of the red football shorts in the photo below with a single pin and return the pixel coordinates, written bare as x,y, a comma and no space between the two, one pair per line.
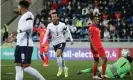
44,49
100,52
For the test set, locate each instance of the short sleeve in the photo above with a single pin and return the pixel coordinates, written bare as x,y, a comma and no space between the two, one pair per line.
90,30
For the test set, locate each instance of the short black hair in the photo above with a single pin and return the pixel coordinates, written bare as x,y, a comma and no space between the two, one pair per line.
55,13
129,58
24,4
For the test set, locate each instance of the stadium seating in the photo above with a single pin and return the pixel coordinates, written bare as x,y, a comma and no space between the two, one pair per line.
116,17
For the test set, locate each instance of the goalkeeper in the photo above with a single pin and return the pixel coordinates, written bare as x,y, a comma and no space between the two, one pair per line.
117,70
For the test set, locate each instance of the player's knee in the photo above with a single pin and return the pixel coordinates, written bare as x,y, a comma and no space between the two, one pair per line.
59,53
41,53
105,60
26,65
18,64
96,62
96,59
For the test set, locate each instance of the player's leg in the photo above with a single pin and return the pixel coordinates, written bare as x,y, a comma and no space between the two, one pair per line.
96,61
104,58
41,54
46,59
19,69
65,68
108,71
61,63
26,61
62,46
95,66
46,55
19,72
88,70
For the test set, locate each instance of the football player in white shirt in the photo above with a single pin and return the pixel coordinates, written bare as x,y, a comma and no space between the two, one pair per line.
24,45
58,30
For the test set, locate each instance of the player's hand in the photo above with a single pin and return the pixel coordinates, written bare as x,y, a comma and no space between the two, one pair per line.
95,50
72,42
42,45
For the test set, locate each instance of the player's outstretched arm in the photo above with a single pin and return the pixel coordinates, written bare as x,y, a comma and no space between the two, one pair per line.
45,37
69,34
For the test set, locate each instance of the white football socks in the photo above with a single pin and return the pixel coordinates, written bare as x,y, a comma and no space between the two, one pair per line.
61,63
34,72
64,65
19,73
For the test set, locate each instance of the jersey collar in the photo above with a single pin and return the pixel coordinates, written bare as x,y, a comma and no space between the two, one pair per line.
56,24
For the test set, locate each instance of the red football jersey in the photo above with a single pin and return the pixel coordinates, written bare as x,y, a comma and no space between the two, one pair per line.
96,38
42,32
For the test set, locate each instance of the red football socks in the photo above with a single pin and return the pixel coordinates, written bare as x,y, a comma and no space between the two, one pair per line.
94,70
103,69
42,57
46,58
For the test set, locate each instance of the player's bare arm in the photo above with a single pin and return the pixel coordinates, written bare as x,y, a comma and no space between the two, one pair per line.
45,37
70,36
91,42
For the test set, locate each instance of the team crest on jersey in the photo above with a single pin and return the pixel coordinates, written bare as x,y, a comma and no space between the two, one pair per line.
42,33
46,47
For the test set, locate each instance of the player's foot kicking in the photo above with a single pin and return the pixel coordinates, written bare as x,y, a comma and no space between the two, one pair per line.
104,76
59,72
96,77
66,72
79,72
45,65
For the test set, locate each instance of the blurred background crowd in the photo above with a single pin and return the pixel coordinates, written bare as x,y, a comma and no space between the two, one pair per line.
115,17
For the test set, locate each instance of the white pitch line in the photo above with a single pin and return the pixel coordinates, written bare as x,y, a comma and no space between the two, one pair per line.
9,73
6,65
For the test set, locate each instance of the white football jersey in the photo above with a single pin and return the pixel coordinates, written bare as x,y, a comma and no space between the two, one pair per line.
58,33
25,24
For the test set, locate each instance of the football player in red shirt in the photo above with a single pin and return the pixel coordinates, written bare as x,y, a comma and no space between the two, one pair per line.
43,50
96,47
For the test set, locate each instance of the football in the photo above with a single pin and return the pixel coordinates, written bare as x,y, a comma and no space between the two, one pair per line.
125,52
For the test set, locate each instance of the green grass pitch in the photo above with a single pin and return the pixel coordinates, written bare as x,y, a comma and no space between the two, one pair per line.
8,70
